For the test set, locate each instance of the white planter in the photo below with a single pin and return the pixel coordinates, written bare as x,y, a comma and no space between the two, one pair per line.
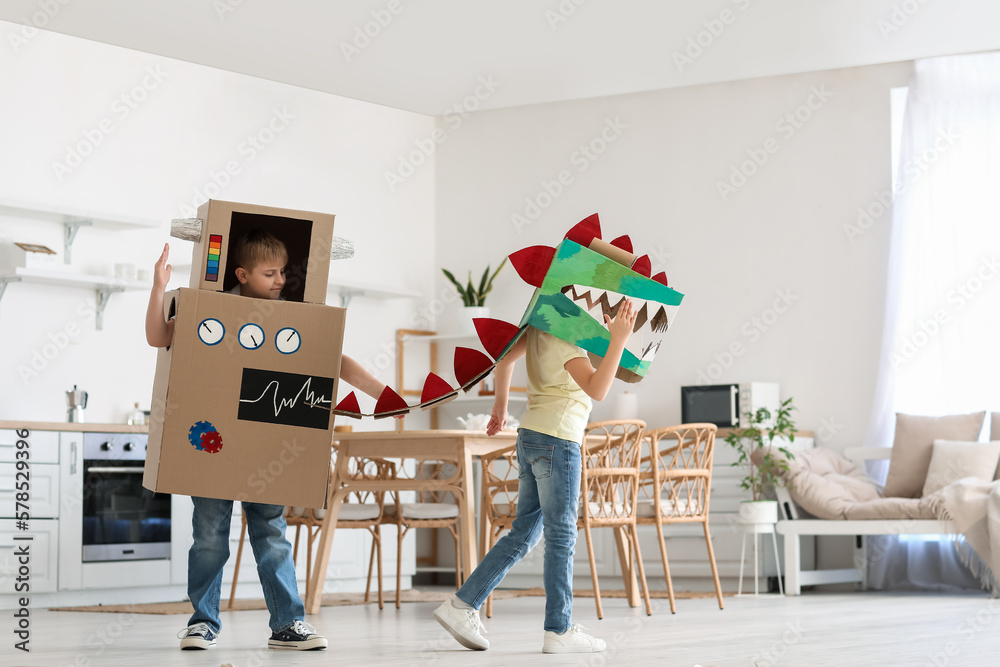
759,511
464,324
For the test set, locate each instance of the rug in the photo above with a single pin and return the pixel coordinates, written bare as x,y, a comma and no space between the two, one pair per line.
347,599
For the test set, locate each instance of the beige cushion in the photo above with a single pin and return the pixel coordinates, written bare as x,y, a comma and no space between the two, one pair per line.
425,510
913,445
995,435
355,512
952,460
826,484
892,508
646,507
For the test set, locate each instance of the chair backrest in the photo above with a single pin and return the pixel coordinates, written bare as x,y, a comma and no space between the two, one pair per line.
680,463
610,479
499,485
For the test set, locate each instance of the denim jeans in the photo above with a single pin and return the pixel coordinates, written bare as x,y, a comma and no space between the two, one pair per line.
547,495
273,553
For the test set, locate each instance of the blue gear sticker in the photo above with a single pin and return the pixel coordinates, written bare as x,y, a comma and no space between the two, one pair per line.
196,431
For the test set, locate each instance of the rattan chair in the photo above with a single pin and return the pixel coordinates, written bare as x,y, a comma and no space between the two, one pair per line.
362,509
675,486
498,508
436,508
611,451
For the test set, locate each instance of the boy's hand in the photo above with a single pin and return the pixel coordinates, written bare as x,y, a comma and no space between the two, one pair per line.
161,270
624,322
497,420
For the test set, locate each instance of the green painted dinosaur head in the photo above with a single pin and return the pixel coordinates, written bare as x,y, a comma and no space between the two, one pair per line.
584,278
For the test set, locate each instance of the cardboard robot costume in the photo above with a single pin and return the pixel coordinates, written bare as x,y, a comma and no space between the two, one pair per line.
242,397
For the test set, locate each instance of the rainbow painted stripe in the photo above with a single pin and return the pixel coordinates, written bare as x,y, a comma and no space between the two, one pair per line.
214,252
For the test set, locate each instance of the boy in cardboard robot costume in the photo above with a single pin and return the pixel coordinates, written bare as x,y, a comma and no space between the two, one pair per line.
242,398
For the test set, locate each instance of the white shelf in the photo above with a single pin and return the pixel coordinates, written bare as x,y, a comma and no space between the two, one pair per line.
104,286
64,215
70,279
475,398
436,337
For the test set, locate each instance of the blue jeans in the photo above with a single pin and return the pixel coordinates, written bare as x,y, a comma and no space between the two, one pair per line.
273,553
547,495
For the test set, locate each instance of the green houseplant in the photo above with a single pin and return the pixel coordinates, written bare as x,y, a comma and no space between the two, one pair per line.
767,470
471,295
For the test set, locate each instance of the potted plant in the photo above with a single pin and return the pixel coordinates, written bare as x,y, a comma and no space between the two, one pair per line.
765,469
474,297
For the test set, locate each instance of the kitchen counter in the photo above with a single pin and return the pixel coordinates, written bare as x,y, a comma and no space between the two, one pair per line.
69,426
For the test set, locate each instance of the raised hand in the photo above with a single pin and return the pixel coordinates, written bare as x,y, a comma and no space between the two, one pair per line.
161,270
623,323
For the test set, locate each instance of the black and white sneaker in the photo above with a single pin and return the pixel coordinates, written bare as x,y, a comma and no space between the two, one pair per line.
300,637
197,636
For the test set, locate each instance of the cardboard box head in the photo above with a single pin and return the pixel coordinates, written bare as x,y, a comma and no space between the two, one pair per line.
307,236
242,399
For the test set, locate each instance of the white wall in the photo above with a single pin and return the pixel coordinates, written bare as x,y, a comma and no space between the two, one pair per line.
782,232
160,157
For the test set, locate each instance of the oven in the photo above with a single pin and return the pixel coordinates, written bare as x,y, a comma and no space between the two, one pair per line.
122,520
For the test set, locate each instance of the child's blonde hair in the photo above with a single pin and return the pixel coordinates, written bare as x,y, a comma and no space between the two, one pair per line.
259,246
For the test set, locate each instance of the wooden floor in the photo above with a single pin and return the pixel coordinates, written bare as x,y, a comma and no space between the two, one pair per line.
816,629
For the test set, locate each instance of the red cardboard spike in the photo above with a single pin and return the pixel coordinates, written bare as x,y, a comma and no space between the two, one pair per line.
348,407
661,277
434,388
471,366
390,403
623,242
642,266
532,263
585,231
494,334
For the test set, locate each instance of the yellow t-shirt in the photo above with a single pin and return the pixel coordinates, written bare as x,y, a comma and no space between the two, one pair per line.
557,406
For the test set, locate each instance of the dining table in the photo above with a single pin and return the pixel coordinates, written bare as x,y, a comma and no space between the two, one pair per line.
458,446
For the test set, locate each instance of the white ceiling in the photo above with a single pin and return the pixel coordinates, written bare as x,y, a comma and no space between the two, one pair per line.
432,54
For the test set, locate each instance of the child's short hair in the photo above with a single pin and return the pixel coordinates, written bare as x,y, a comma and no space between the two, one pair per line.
259,246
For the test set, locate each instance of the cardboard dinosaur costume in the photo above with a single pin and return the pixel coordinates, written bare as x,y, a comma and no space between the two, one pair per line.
577,282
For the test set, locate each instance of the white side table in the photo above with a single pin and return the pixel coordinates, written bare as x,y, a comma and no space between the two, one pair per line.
756,529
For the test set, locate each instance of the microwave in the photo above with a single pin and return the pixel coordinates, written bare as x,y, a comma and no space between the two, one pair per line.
728,405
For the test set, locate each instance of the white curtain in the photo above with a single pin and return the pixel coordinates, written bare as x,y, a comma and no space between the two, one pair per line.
941,338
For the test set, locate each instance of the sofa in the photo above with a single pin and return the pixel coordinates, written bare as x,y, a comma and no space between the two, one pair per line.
826,493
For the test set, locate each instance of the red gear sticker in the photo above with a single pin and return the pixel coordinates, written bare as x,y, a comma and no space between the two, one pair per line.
211,442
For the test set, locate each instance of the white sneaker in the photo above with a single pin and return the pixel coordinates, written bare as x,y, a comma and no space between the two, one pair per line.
463,624
574,640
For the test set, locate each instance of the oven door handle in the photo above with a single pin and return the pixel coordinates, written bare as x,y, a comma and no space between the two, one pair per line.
115,470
